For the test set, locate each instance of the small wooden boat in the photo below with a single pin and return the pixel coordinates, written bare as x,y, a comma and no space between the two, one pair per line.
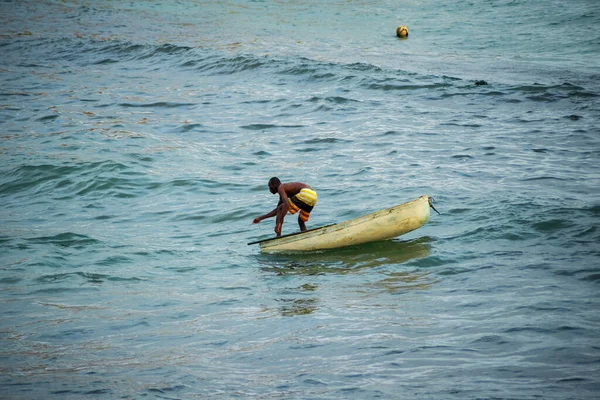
381,225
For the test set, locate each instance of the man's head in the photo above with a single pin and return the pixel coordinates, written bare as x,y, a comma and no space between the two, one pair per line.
274,183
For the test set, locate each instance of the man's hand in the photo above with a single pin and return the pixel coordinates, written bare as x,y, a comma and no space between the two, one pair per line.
256,220
278,229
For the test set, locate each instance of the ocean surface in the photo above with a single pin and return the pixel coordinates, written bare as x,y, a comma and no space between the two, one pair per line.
136,142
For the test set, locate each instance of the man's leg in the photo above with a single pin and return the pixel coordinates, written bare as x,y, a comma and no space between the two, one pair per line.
302,224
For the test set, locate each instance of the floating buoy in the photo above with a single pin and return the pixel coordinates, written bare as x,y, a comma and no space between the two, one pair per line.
402,31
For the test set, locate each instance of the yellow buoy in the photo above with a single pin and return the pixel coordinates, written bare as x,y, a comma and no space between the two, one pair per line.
402,31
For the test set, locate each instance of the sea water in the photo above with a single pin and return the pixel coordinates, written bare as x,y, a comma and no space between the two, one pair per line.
136,142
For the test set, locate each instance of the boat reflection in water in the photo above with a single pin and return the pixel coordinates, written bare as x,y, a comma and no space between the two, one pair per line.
347,259
305,298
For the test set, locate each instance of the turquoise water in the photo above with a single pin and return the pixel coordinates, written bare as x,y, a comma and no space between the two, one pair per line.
136,141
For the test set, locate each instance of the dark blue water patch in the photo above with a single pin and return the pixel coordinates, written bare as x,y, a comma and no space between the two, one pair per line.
76,179
308,150
65,392
64,290
387,85
106,187
584,272
98,392
167,389
533,330
463,156
573,117
26,177
264,127
595,277
88,277
552,225
130,325
89,51
488,340
68,335
105,217
105,61
114,260
540,88
160,104
181,270
560,307
66,239
159,51
552,93
590,232
214,63
326,141
197,128
461,124
437,261
391,133
18,94
231,65
10,280
314,70
539,150
332,99
48,118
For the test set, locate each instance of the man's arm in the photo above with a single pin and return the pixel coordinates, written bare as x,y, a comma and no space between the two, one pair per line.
267,215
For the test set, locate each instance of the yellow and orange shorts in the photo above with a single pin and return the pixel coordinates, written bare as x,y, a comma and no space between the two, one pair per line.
304,202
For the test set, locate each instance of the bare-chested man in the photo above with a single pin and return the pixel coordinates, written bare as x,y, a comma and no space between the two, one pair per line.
293,197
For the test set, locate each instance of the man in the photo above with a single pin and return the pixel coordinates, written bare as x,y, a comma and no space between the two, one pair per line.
293,197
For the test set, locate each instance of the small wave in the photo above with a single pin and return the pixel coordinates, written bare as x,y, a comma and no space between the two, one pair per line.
262,127
63,290
230,65
307,67
46,177
116,52
190,128
528,329
551,93
543,178
551,225
26,177
10,280
593,277
47,118
573,117
66,239
463,156
491,340
386,87
538,88
89,277
325,140
586,232
160,104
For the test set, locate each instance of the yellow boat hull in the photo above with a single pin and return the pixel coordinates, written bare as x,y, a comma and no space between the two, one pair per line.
381,225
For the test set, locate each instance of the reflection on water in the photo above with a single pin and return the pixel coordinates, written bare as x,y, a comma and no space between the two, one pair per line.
348,259
305,299
402,281
291,307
